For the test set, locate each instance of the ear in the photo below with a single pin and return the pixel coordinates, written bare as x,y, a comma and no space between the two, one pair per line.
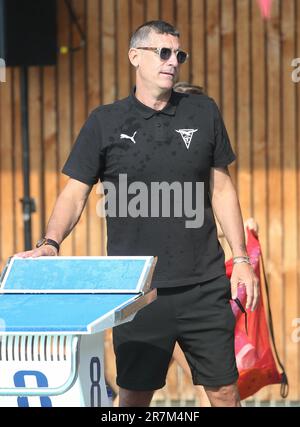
133,55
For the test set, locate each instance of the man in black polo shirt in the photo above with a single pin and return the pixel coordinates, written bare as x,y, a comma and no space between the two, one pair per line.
165,155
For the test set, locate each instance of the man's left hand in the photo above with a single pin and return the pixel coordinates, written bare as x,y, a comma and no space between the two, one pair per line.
244,275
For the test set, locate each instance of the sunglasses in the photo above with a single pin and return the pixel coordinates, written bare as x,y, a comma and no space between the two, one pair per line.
165,53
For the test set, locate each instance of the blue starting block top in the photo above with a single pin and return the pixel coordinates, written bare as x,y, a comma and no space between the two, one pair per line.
72,295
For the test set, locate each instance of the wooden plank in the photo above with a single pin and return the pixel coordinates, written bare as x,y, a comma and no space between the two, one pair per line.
123,34
110,361
7,246
49,140
109,50
213,65
259,135
35,145
95,226
168,10
152,10
137,18
137,13
290,208
64,130
160,397
93,53
182,23
197,47
172,382
109,75
274,252
243,112
259,125
18,164
213,59
184,383
79,112
228,80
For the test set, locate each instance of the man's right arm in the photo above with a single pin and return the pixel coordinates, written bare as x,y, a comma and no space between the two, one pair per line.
65,215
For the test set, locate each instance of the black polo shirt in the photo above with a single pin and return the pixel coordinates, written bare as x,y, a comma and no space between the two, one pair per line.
179,144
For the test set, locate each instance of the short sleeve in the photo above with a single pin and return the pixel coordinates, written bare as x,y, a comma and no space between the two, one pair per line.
223,154
85,162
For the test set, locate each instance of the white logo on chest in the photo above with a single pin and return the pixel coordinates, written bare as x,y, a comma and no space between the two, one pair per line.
124,136
187,135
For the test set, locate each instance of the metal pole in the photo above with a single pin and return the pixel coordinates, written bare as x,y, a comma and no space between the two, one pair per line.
27,202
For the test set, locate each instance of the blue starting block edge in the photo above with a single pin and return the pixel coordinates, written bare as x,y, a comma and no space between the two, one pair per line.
86,274
56,310
60,314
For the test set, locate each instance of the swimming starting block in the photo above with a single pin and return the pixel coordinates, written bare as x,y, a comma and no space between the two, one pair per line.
53,314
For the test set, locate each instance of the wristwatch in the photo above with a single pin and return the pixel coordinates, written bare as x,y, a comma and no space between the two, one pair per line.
46,241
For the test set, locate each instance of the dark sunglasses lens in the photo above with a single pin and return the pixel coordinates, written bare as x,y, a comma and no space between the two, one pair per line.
181,56
165,53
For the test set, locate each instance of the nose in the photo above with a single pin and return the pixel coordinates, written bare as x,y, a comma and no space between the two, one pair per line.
173,59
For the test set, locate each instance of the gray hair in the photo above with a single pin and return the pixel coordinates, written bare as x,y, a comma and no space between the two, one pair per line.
141,34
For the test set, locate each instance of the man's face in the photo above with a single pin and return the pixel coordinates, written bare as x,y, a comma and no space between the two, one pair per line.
153,72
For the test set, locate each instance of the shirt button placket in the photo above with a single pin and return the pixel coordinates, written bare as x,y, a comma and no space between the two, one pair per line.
159,127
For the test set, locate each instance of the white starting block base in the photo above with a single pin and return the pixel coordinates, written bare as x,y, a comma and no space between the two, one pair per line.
49,366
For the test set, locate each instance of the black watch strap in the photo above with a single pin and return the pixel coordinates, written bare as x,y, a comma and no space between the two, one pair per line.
46,241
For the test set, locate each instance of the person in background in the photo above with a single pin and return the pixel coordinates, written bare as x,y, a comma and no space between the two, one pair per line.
185,87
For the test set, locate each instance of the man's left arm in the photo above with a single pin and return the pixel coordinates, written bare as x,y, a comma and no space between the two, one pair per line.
228,212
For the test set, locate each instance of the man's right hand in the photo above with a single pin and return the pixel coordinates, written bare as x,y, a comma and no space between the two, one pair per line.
45,250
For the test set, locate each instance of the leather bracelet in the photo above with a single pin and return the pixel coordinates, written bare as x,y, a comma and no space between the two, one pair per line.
52,243
45,241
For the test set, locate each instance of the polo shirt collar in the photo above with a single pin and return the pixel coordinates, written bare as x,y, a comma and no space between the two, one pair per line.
147,112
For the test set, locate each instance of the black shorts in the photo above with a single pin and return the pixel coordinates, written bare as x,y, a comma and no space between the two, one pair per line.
199,317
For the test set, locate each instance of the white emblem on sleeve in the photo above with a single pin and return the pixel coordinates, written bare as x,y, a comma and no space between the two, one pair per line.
124,136
187,135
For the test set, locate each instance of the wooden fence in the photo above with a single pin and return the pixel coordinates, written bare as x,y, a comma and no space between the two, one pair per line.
244,63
